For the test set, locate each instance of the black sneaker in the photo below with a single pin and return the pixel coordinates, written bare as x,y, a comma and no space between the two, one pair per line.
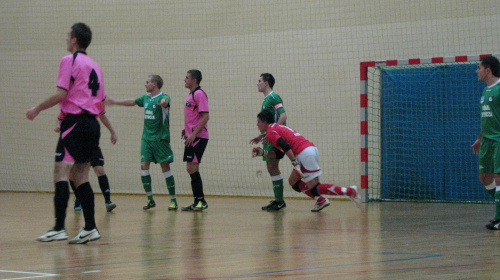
78,205
271,203
189,207
494,225
150,204
277,206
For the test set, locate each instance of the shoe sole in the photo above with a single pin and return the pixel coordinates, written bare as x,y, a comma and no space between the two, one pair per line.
276,209
172,209
85,241
52,239
323,207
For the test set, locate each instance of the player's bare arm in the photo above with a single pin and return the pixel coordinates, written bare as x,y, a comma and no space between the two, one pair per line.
53,100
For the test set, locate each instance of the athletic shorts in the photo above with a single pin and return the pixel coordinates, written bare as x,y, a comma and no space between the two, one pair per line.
194,153
96,160
156,151
270,148
308,160
79,137
489,156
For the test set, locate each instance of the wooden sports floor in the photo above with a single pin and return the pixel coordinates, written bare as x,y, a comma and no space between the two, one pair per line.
234,239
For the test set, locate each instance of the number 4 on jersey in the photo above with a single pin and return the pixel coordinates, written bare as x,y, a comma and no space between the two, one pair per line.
94,82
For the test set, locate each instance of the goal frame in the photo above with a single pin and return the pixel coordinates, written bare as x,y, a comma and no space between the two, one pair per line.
364,125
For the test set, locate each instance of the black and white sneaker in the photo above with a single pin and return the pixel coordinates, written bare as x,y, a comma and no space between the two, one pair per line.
271,203
85,236
277,206
53,235
494,225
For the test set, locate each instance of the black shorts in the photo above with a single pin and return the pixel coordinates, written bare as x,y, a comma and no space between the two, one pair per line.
79,139
96,160
194,153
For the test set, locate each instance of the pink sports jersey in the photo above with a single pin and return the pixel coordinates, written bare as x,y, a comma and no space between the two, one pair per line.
82,78
195,104
296,141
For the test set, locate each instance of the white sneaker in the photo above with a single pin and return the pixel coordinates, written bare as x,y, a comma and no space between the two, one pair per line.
85,236
320,205
357,197
53,235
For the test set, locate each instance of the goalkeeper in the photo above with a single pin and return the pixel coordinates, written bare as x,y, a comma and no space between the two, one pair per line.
304,157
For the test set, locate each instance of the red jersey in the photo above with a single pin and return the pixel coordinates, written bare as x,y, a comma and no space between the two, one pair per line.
296,141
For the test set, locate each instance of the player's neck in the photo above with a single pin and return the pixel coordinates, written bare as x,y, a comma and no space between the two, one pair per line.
492,81
267,91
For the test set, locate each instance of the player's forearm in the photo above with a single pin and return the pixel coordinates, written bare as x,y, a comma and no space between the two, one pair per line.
52,100
106,123
126,102
282,118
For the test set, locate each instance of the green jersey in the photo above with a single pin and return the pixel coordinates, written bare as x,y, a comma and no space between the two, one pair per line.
490,112
156,118
273,103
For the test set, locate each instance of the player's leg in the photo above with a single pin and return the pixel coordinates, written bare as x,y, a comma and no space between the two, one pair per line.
146,158
192,157
97,163
272,164
495,154
164,155
80,143
61,195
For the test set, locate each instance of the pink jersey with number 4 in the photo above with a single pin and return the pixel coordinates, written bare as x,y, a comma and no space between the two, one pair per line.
82,78
296,141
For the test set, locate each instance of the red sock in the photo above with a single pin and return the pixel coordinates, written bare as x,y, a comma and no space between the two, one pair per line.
303,187
330,189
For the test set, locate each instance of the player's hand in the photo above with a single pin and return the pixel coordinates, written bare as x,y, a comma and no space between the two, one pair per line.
296,169
109,101
114,138
163,103
256,140
183,135
32,113
257,152
475,147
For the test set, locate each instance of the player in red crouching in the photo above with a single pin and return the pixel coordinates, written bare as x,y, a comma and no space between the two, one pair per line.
304,156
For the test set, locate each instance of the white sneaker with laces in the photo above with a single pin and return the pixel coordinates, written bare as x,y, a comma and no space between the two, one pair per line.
318,206
357,198
53,235
85,236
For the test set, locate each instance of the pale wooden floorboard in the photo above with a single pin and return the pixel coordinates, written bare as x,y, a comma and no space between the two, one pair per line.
234,239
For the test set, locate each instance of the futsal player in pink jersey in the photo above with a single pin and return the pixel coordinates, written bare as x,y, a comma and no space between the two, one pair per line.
304,157
195,135
80,95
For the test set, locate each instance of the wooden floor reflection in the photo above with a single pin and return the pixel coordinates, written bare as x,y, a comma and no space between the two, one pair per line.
234,239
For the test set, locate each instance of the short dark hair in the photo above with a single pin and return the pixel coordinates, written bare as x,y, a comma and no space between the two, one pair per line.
267,77
195,74
82,33
157,79
266,116
492,63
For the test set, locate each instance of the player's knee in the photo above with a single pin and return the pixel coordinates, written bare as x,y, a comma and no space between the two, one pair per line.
296,187
314,190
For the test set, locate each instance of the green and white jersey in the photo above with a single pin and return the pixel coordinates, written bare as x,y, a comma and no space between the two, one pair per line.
273,103
156,118
490,112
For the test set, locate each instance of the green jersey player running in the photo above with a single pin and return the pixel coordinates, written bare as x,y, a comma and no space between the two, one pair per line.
272,103
155,142
487,144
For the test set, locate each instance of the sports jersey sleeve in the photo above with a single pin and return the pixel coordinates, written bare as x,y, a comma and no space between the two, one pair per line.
201,100
64,75
139,101
273,136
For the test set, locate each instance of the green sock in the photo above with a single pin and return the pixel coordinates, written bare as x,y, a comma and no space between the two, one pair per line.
278,190
171,186
492,192
146,183
497,205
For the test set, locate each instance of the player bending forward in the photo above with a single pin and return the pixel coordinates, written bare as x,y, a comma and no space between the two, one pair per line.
304,156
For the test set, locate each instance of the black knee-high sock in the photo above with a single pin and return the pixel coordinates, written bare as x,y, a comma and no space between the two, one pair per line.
61,198
86,196
73,187
197,186
104,185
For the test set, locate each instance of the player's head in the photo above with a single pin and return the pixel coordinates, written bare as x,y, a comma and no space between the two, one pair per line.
264,119
491,63
195,75
268,78
82,33
156,79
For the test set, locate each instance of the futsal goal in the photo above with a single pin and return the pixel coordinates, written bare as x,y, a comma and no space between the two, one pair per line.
419,118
